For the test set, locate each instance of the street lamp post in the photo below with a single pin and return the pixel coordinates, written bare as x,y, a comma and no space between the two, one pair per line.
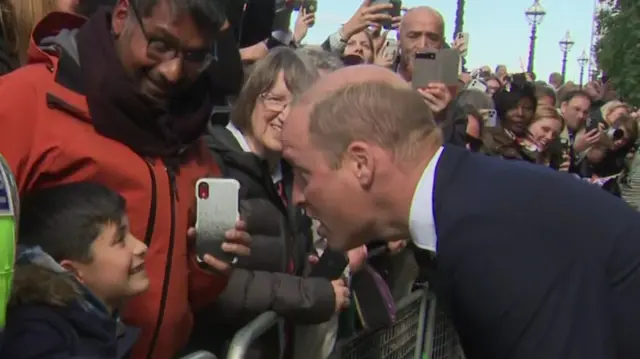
582,61
535,14
566,43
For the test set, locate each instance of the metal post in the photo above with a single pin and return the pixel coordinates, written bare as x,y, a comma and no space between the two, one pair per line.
581,75
564,64
532,46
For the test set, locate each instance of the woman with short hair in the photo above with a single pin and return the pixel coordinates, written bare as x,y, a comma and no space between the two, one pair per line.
249,150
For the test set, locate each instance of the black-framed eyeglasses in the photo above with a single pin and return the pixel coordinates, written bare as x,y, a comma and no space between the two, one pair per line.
161,50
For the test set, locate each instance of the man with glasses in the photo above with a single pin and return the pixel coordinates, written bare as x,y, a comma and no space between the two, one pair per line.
122,99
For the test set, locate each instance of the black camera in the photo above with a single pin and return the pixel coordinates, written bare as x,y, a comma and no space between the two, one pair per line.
427,55
612,132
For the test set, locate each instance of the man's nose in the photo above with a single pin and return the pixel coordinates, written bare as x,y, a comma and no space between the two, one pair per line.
582,116
171,70
297,197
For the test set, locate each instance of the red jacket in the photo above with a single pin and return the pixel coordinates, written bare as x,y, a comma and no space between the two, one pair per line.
47,137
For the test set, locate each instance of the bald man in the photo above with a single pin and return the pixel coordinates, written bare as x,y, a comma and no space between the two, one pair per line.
531,263
421,28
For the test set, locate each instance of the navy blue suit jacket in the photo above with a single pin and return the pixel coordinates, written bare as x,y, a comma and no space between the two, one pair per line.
535,264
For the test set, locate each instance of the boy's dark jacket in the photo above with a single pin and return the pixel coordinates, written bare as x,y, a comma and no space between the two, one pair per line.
51,316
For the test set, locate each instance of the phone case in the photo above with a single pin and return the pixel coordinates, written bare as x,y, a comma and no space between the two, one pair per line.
217,212
492,119
448,66
310,6
331,265
477,85
391,49
425,69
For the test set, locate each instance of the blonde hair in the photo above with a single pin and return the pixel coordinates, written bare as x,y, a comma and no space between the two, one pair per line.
544,111
610,106
26,14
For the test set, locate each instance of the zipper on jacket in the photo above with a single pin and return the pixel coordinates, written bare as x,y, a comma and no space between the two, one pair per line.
151,222
167,269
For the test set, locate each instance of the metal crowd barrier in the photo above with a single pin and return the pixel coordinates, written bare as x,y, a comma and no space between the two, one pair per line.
421,331
199,355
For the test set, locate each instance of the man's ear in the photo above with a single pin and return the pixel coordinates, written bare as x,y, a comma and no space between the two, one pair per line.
361,162
119,16
71,267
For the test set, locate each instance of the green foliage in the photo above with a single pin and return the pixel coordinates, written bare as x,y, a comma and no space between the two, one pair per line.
619,48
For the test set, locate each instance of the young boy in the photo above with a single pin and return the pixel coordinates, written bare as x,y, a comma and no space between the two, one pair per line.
77,263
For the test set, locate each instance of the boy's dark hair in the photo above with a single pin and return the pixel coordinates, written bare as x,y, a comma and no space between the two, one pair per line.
65,220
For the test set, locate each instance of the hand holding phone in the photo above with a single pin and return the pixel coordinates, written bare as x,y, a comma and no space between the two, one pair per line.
431,66
342,294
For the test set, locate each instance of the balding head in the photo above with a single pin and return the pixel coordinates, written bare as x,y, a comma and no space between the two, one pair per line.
357,103
423,14
329,84
350,75
421,28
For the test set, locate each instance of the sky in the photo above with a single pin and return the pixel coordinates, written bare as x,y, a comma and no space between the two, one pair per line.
498,30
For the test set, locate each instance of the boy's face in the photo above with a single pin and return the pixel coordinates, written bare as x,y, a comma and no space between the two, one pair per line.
117,269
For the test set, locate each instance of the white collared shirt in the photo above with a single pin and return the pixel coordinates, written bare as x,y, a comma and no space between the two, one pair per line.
422,224
276,176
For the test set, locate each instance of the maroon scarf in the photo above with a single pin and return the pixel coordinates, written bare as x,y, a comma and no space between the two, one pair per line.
122,114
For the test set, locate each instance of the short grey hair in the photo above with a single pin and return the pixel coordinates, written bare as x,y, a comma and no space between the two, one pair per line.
299,75
321,59
208,15
475,98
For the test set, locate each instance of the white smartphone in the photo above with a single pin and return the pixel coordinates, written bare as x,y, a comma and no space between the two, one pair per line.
217,212
477,85
390,49
492,118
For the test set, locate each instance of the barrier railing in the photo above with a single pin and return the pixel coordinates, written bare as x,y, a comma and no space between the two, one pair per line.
199,355
250,332
421,331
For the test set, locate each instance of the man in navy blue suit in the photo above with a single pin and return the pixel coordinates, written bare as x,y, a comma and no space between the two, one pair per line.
532,264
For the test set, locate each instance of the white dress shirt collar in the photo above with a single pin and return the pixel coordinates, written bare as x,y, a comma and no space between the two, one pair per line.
421,220
276,176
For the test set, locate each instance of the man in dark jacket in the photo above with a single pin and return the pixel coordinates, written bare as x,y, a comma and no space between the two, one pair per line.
530,262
